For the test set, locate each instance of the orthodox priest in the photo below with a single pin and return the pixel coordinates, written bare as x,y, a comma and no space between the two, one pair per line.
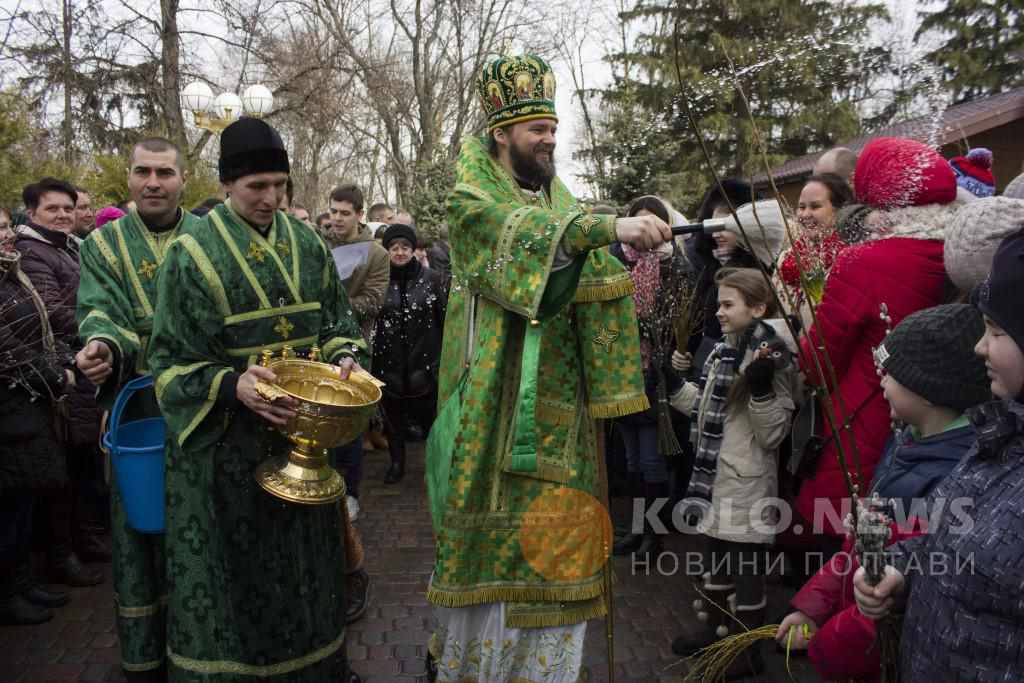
256,583
540,339
117,295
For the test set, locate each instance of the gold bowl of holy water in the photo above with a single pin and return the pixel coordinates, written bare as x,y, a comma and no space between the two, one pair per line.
331,412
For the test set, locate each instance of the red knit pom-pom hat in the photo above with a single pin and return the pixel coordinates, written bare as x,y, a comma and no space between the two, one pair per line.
895,172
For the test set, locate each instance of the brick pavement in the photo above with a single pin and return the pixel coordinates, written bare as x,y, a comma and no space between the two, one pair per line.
388,645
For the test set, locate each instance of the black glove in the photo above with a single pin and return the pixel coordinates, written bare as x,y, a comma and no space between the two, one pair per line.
760,374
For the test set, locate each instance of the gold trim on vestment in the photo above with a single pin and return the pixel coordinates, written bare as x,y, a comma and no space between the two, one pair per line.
229,242
262,313
133,276
205,266
108,253
557,614
204,409
607,290
276,346
142,610
260,671
145,666
175,371
504,591
619,407
127,334
475,191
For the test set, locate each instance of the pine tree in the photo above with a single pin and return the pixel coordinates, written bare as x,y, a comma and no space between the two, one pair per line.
983,53
804,65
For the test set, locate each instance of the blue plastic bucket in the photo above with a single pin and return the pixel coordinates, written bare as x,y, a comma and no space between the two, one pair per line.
137,453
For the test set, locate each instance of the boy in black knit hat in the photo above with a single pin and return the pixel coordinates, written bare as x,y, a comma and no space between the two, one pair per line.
964,620
931,376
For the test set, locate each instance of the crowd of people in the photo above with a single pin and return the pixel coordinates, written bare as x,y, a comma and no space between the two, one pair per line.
746,383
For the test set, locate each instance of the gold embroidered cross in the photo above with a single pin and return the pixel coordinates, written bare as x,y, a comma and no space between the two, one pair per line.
606,338
283,327
255,252
587,222
147,269
282,248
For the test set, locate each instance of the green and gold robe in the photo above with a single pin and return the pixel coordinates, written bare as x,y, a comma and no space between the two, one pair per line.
551,350
256,583
116,299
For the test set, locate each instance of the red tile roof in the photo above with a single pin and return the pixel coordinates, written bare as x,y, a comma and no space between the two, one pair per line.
957,122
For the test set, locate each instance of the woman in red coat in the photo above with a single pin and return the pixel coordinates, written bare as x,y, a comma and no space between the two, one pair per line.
897,263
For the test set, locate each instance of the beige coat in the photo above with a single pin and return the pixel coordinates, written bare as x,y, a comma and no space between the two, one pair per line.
747,473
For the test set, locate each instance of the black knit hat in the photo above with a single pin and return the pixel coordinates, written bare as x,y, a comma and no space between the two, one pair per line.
931,353
251,146
999,296
399,231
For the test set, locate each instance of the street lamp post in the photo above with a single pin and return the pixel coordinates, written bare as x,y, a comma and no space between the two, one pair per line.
217,113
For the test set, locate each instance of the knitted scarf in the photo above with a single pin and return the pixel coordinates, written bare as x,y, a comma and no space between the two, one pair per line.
707,425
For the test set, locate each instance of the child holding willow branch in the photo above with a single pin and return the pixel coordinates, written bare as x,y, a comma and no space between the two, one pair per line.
741,411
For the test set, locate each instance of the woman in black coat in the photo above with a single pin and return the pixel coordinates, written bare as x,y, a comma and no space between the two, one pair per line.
407,343
33,378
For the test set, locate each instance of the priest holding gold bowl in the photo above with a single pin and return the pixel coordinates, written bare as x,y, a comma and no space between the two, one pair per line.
256,582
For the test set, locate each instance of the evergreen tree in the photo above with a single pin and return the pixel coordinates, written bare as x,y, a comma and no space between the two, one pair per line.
805,67
983,53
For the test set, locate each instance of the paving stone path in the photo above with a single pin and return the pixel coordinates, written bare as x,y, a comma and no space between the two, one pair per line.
388,645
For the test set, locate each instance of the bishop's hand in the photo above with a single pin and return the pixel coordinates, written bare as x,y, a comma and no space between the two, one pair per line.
643,233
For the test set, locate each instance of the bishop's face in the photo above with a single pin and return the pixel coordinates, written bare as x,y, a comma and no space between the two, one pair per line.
256,197
531,150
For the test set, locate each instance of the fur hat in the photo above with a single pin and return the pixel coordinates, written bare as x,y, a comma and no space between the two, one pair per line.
397,231
973,236
250,146
931,353
897,172
765,227
974,172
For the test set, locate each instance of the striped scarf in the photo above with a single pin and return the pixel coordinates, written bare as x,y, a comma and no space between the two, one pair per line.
720,370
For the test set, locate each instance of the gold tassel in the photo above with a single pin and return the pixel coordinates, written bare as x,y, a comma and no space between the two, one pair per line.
588,292
560,617
619,408
476,596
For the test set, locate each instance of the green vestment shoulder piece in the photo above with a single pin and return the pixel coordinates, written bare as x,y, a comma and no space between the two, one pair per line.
550,351
256,583
117,290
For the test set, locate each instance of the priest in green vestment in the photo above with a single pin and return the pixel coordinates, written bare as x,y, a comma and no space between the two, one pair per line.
256,584
117,295
540,340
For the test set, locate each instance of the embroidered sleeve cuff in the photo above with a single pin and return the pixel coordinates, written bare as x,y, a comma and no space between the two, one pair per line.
588,232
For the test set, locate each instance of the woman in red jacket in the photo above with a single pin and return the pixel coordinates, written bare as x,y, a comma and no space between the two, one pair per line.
894,270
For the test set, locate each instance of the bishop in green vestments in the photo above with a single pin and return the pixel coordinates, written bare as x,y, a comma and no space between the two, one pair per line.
117,295
256,583
540,339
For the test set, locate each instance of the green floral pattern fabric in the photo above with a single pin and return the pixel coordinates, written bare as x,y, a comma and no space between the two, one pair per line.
255,583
